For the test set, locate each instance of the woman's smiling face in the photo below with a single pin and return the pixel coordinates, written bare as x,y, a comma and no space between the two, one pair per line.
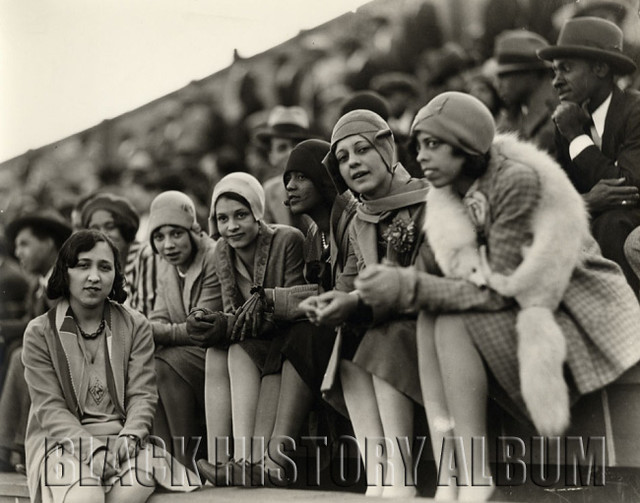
437,160
362,168
236,223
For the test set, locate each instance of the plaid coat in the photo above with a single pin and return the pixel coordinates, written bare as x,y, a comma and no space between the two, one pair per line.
599,315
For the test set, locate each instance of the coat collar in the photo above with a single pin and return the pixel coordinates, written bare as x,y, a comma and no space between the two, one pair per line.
70,366
231,297
193,273
613,120
342,213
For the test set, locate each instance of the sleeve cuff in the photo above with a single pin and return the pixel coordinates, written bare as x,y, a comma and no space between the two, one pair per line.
578,144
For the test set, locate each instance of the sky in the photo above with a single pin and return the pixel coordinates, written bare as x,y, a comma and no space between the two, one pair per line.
66,65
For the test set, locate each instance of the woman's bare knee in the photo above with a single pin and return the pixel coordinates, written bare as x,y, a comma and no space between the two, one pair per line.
81,493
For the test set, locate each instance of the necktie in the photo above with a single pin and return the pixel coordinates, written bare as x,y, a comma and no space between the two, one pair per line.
594,135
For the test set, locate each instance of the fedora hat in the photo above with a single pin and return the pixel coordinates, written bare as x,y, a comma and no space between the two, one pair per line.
516,51
590,38
286,122
49,221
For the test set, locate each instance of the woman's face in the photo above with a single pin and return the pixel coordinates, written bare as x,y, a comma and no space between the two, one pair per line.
302,193
236,223
91,279
173,244
362,168
437,160
102,220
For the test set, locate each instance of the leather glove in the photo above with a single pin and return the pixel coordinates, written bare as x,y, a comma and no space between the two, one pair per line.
207,328
249,317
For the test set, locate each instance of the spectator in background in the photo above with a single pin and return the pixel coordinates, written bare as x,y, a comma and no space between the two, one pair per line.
37,238
286,127
14,290
524,84
401,90
597,129
366,100
115,216
498,16
481,84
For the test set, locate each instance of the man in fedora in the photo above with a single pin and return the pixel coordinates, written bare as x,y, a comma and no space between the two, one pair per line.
286,127
36,240
524,84
598,129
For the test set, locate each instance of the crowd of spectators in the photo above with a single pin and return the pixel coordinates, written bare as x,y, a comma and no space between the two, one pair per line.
391,63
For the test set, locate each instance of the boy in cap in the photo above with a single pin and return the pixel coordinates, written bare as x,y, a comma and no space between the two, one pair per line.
598,129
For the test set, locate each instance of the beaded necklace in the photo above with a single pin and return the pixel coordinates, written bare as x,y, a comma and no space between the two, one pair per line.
93,335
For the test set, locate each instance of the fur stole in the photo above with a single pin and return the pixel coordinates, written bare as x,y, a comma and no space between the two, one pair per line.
559,226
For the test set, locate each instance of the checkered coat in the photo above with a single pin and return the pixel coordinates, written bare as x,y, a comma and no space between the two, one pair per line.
599,314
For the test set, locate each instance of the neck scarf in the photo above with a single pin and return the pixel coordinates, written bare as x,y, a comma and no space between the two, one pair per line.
405,191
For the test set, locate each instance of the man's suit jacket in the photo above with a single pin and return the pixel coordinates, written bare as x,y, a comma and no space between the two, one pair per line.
620,154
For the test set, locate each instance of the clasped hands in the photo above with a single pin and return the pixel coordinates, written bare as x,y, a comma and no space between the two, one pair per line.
208,328
377,286
107,462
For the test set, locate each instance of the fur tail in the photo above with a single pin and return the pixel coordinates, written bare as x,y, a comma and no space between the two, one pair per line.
541,355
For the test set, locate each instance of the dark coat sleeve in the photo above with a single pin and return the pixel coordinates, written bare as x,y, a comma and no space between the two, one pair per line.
592,165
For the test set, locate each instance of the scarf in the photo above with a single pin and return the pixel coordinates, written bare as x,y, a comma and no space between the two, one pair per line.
405,191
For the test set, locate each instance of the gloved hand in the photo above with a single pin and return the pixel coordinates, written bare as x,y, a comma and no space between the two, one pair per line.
249,317
207,328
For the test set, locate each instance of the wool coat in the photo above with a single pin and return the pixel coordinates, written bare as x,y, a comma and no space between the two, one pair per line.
620,146
174,301
175,298
341,260
389,340
618,157
277,263
55,411
598,314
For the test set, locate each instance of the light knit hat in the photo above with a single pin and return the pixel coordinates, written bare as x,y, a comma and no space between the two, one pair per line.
371,127
172,208
459,119
242,184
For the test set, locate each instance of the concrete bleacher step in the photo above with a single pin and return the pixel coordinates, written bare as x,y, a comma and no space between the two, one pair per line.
13,488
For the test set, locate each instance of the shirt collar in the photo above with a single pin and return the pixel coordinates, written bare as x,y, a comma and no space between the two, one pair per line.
599,115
